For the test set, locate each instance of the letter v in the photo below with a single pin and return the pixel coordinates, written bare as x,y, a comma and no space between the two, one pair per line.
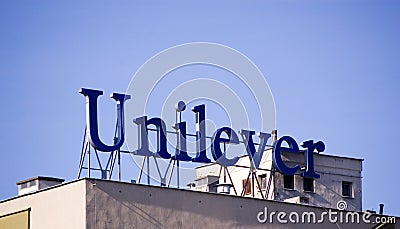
255,157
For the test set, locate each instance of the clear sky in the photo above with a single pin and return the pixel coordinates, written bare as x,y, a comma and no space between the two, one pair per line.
333,68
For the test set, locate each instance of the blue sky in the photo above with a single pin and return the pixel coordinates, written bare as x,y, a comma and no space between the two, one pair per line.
333,68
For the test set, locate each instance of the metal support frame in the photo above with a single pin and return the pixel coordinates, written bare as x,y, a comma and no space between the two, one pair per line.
226,172
114,160
271,177
115,156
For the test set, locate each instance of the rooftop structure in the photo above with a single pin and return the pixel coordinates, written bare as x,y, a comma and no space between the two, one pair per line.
37,183
340,180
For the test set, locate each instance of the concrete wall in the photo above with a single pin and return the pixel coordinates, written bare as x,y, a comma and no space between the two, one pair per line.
328,188
239,174
61,206
124,205
91,203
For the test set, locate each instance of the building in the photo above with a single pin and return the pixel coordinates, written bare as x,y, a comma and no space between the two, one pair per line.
94,203
340,180
36,184
236,196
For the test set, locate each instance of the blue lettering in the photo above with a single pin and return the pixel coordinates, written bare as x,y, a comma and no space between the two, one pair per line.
218,155
201,155
277,156
255,157
309,157
144,140
92,126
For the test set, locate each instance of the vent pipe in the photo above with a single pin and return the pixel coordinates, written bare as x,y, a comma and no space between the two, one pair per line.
381,209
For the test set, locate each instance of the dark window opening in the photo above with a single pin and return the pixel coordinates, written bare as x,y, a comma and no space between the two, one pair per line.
308,184
263,181
347,189
288,181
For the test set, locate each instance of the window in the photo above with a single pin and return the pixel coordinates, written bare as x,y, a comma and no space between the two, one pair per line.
288,181
308,184
304,200
347,189
32,183
263,181
247,189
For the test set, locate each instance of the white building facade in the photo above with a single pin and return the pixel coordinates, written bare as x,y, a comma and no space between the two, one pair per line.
340,180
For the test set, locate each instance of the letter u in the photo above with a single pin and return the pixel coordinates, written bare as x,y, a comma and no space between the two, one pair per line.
92,127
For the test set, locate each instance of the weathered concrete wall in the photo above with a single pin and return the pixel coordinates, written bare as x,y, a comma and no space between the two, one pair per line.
60,206
90,203
123,205
328,189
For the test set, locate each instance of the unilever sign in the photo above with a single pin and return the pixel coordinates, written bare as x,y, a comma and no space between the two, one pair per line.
144,81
